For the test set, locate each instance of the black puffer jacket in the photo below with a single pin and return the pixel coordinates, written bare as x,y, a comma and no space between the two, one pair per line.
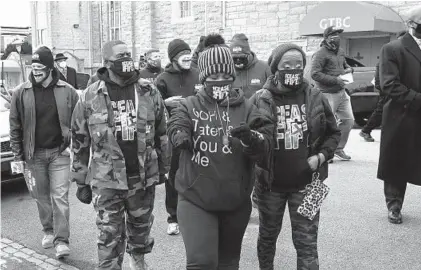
324,134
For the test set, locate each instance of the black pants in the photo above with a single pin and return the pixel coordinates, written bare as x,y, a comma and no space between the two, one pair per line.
395,195
212,239
375,119
171,196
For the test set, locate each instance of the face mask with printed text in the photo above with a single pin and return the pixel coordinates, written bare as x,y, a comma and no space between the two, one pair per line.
290,78
218,90
123,67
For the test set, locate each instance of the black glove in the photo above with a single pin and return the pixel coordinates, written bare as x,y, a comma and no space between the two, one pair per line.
244,133
84,194
162,179
182,140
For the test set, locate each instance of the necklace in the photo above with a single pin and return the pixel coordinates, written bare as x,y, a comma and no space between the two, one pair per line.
225,140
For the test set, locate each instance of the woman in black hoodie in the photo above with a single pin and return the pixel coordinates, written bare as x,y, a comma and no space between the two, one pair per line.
221,136
306,136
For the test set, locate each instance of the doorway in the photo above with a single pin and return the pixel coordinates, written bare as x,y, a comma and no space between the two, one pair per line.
367,50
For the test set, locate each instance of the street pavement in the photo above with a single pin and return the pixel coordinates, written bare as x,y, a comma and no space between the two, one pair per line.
354,233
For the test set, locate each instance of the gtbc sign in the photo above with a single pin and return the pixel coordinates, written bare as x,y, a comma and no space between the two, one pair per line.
337,22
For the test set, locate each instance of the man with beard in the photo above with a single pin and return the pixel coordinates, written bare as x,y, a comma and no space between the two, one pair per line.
251,72
153,66
327,67
120,119
400,158
40,117
67,74
178,81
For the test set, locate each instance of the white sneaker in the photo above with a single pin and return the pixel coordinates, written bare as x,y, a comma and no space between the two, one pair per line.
48,241
173,229
62,251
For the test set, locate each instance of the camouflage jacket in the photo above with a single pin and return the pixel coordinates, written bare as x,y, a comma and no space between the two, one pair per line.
98,159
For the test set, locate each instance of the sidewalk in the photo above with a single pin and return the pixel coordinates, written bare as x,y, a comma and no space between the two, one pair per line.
14,256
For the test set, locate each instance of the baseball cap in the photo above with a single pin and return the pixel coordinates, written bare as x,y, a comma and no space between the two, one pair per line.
331,30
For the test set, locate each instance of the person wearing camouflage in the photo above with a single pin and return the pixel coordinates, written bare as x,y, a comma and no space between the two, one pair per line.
305,137
120,154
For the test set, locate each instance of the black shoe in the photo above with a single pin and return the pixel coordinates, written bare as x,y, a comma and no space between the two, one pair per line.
366,136
395,216
342,156
330,161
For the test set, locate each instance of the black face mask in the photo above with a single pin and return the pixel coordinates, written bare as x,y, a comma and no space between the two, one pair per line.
241,60
218,90
334,43
123,67
291,78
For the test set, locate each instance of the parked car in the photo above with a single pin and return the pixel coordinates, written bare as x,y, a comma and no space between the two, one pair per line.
6,150
364,97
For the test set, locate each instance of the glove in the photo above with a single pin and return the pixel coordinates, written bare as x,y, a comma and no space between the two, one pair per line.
182,140
244,133
84,194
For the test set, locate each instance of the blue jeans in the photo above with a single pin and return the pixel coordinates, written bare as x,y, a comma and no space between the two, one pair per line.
47,177
340,103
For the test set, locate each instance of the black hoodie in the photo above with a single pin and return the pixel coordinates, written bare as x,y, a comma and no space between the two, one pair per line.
123,101
48,133
214,176
173,82
150,73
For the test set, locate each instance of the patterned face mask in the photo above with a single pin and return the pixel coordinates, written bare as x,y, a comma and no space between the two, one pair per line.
123,67
218,90
290,78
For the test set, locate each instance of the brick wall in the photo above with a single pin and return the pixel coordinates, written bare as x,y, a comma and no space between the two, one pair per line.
147,24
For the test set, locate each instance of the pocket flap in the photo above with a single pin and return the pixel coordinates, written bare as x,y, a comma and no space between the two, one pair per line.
98,118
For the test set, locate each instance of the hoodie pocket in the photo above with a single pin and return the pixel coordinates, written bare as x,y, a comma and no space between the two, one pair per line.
217,194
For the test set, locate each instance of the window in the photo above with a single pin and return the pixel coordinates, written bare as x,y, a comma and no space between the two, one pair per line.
182,11
41,22
185,9
115,19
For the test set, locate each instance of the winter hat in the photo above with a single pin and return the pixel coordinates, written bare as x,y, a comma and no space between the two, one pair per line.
215,58
43,55
277,54
107,50
331,30
176,46
240,44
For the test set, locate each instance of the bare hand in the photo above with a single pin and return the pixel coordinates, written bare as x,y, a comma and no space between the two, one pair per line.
173,101
348,70
341,82
313,162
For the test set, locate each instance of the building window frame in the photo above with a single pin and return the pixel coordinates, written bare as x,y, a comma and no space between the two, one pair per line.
114,18
41,22
182,12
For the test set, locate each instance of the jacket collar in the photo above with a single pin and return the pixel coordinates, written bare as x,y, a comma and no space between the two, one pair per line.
102,88
411,45
28,84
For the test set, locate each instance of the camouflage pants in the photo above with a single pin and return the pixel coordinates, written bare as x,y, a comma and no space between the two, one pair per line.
271,207
123,215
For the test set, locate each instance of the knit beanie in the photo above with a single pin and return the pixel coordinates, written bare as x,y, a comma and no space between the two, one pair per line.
176,46
43,55
240,44
277,54
215,58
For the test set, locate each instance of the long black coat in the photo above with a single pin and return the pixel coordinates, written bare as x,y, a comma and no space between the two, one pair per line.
400,79
71,77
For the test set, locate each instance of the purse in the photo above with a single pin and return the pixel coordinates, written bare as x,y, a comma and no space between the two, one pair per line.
315,193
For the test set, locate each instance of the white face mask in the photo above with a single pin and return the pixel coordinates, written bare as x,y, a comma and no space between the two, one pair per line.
184,61
63,64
